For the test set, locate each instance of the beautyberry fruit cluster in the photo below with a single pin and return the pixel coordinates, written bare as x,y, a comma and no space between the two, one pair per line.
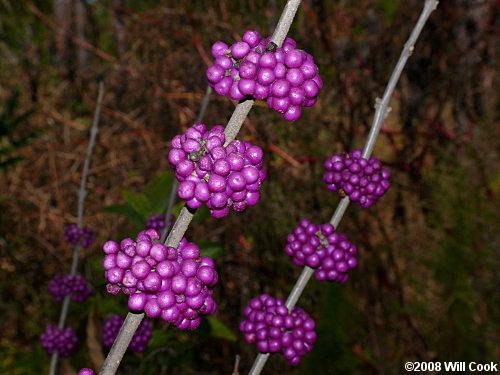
140,339
74,235
175,284
158,222
217,175
64,341
86,371
319,247
76,285
286,77
269,324
363,181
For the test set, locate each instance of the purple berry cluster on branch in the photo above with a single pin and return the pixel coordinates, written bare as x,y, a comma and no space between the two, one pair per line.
269,324
86,371
175,284
222,177
158,222
140,339
76,285
254,67
64,341
74,235
363,181
321,248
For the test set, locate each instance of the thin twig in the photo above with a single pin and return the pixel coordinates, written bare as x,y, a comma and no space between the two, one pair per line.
186,215
119,347
380,115
170,207
204,104
382,108
82,193
236,365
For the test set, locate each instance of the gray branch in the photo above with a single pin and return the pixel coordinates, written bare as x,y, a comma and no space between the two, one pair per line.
236,365
285,22
382,107
380,115
186,215
82,193
121,343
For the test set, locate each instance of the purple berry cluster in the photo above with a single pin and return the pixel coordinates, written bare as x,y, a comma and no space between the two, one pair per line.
217,175
319,247
363,181
158,222
86,371
74,235
175,284
64,341
76,285
286,77
269,324
140,339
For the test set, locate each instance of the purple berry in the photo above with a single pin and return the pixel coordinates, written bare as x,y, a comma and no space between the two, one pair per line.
294,59
265,76
319,247
239,50
82,236
268,60
280,88
364,181
219,48
246,86
273,329
252,38
64,341
215,74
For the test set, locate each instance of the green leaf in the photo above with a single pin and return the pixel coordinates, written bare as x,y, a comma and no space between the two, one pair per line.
108,305
202,214
23,117
9,163
8,112
139,203
158,192
220,330
210,249
388,8
160,338
176,210
25,140
126,210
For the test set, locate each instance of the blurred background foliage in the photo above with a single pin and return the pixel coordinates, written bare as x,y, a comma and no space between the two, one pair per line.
426,287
